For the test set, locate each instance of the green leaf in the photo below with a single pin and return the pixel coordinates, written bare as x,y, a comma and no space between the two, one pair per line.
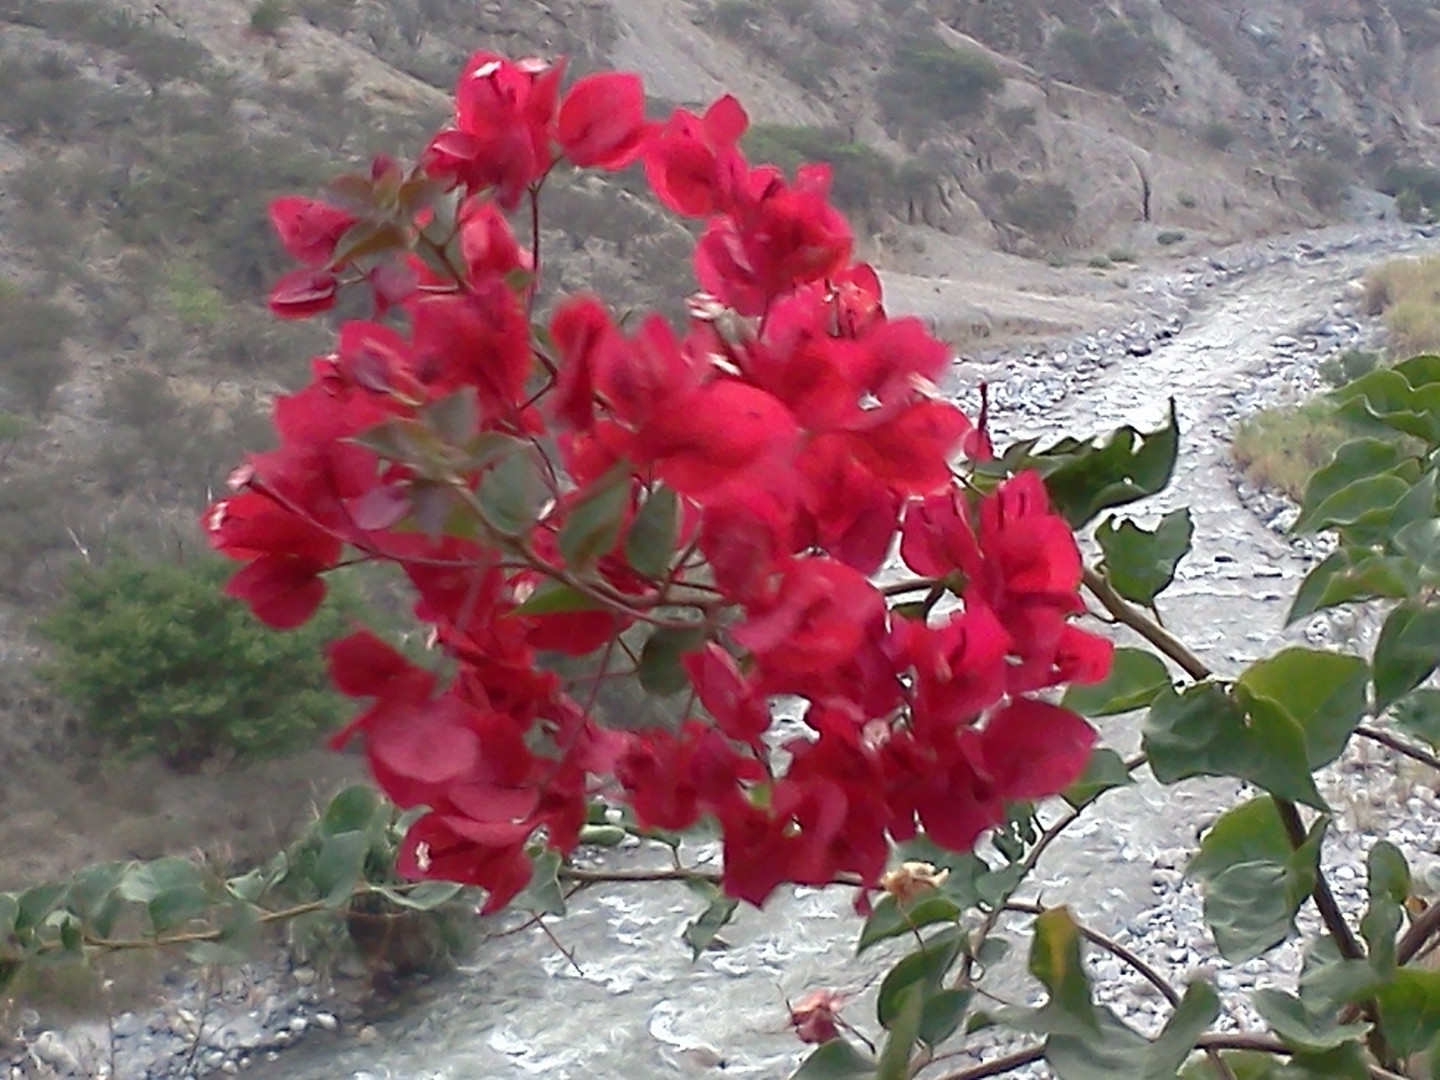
340,866
9,911
352,810
904,1030
35,903
1253,890
1250,832
1347,576
1198,1009
94,895
455,418
543,896
1419,715
554,598
891,919
1389,888
1407,652
1410,1010
423,896
1329,981
660,669
1085,478
592,526
700,933
1404,398
944,1010
924,968
1357,460
1299,1029
1136,678
1104,772
172,890
1355,503
650,543
1202,732
511,492
1139,563
1323,692
835,1060
1055,960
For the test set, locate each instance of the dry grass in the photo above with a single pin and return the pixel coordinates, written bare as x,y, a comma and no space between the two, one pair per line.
1406,292
1280,448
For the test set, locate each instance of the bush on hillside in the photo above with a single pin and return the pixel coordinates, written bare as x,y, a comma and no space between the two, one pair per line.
159,661
929,82
1323,181
33,364
1045,209
1117,57
863,179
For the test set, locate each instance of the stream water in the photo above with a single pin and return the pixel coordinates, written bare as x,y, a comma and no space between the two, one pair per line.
636,1005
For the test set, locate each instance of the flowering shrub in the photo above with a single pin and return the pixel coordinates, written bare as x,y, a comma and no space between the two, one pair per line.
726,493
727,515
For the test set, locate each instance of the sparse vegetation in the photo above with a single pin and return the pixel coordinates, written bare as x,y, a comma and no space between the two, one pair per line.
1044,210
1169,237
1281,448
1218,135
1406,292
268,17
1324,181
928,82
33,363
1118,56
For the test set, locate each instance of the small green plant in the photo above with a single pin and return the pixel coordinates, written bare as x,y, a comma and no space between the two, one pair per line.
159,661
1169,237
1407,293
1218,135
1349,366
1281,448
1120,255
1188,201
931,82
193,298
268,17
1045,209
1100,262
1323,181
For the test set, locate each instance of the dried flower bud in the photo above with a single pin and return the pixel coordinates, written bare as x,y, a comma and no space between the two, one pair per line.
911,880
814,1017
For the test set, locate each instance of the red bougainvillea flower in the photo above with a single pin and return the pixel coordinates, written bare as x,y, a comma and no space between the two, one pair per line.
504,116
303,293
785,438
602,121
308,228
693,164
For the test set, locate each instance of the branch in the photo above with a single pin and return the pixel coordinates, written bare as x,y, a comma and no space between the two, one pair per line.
1112,946
1400,746
1421,931
1135,618
1324,899
1020,1058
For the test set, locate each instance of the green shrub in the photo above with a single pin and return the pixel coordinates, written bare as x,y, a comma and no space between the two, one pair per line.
1117,57
1188,201
930,82
1100,262
33,364
1170,236
1410,206
1407,293
268,17
1044,209
1349,366
863,178
1218,135
159,661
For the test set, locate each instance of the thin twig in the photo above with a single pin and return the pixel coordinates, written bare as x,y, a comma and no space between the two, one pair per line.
1136,618
1020,1058
1421,931
1110,945
1400,746
1324,899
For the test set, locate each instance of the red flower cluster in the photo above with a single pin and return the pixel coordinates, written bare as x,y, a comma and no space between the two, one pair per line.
734,487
